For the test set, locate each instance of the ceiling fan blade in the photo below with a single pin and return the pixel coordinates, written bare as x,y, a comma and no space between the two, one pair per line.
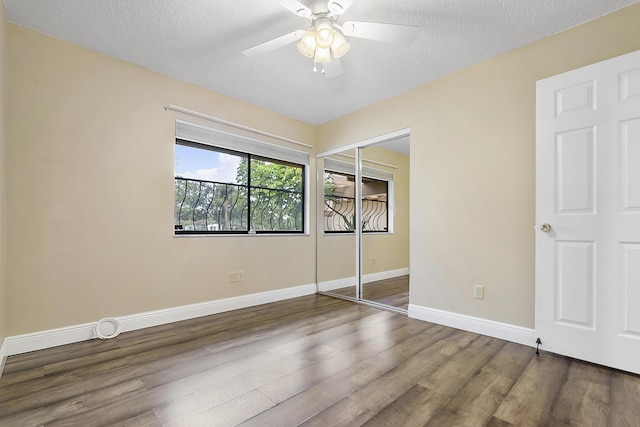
274,44
338,7
297,8
392,33
332,69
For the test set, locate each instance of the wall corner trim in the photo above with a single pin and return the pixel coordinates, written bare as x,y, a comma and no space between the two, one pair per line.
54,337
504,331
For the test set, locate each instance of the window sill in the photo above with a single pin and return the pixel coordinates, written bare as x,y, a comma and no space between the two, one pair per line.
368,233
181,235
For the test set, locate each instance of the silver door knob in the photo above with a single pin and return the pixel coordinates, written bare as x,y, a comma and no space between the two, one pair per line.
545,228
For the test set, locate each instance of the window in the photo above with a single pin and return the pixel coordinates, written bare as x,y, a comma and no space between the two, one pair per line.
223,191
339,203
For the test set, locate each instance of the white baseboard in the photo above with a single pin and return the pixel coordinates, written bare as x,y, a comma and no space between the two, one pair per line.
54,337
331,285
504,331
3,355
384,275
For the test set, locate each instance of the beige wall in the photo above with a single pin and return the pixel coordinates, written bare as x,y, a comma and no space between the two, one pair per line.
90,167
473,170
3,127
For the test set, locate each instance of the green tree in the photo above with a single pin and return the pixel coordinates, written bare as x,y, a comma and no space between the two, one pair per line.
276,194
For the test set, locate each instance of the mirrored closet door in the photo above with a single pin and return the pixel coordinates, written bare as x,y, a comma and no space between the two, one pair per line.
336,244
365,184
385,223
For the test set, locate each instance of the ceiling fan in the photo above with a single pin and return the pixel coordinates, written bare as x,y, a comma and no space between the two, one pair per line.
324,40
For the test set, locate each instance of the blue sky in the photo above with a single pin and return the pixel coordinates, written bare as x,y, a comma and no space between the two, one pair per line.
204,164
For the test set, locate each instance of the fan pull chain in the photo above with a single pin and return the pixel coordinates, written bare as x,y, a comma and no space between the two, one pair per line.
315,68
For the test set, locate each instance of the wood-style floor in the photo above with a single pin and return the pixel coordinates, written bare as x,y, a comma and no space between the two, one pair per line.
392,292
313,361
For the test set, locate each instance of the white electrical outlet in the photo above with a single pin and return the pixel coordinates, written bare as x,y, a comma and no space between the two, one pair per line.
233,277
478,291
241,276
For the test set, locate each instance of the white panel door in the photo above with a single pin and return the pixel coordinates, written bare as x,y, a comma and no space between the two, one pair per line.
588,213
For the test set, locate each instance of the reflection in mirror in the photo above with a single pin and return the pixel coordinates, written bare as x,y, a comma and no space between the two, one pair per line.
336,244
385,222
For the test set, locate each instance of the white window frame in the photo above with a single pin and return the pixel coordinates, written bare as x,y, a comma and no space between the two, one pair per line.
220,139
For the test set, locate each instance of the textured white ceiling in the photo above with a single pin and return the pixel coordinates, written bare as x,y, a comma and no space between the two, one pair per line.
200,41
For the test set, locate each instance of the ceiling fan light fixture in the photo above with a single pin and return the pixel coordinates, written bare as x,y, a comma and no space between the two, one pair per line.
323,42
340,46
307,44
324,32
322,54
